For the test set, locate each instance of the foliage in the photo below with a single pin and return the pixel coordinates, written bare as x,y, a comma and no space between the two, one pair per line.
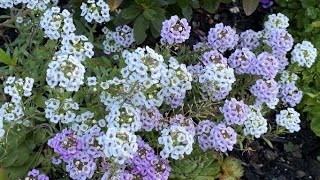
305,17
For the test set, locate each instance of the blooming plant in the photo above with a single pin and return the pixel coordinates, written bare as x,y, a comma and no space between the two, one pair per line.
88,102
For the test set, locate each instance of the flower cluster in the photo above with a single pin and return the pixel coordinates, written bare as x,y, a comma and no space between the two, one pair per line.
279,40
289,119
214,57
66,71
235,112
17,88
57,111
124,116
304,54
150,118
57,24
218,137
242,60
118,144
175,82
176,141
77,46
249,39
222,38
216,81
95,10
266,65
145,163
35,174
266,91
255,124
40,5
276,21
175,30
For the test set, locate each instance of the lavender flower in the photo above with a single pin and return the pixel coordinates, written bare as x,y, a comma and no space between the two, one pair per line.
175,30
124,36
214,57
35,174
145,164
249,39
222,38
265,90
203,132
66,144
81,167
279,40
266,3
242,61
223,138
290,94
150,118
235,112
267,66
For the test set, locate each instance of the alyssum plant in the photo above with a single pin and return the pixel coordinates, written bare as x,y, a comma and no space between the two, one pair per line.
136,112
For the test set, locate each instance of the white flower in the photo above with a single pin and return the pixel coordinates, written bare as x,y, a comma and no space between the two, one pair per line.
304,54
255,124
276,21
98,11
289,119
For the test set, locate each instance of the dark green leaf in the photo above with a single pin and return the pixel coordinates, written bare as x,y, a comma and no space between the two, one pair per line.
131,12
183,3
210,5
139,29
249,6
114,4
187,12
150,14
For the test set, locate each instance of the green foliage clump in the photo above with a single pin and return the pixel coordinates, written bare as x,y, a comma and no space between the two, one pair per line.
304,18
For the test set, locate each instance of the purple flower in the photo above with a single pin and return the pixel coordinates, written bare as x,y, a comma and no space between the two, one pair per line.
266,3
150,118
222,38
290,94
242,60
265,90
214,57
35,174
66,144
279,40
266,65
223,138
175,30
235,112
81,167
145,164
203,131
124,36
249,39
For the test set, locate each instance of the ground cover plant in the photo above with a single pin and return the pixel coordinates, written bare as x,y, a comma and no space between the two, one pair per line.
137,90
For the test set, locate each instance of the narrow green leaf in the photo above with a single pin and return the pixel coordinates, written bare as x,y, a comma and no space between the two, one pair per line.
5,58
249,6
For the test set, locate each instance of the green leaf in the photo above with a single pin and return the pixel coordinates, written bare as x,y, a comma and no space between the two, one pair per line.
183,3
268,142
187,12
315,24
150,14
210,5
315,124
309,3
139,29
5,58
131,12
39,100
249,6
